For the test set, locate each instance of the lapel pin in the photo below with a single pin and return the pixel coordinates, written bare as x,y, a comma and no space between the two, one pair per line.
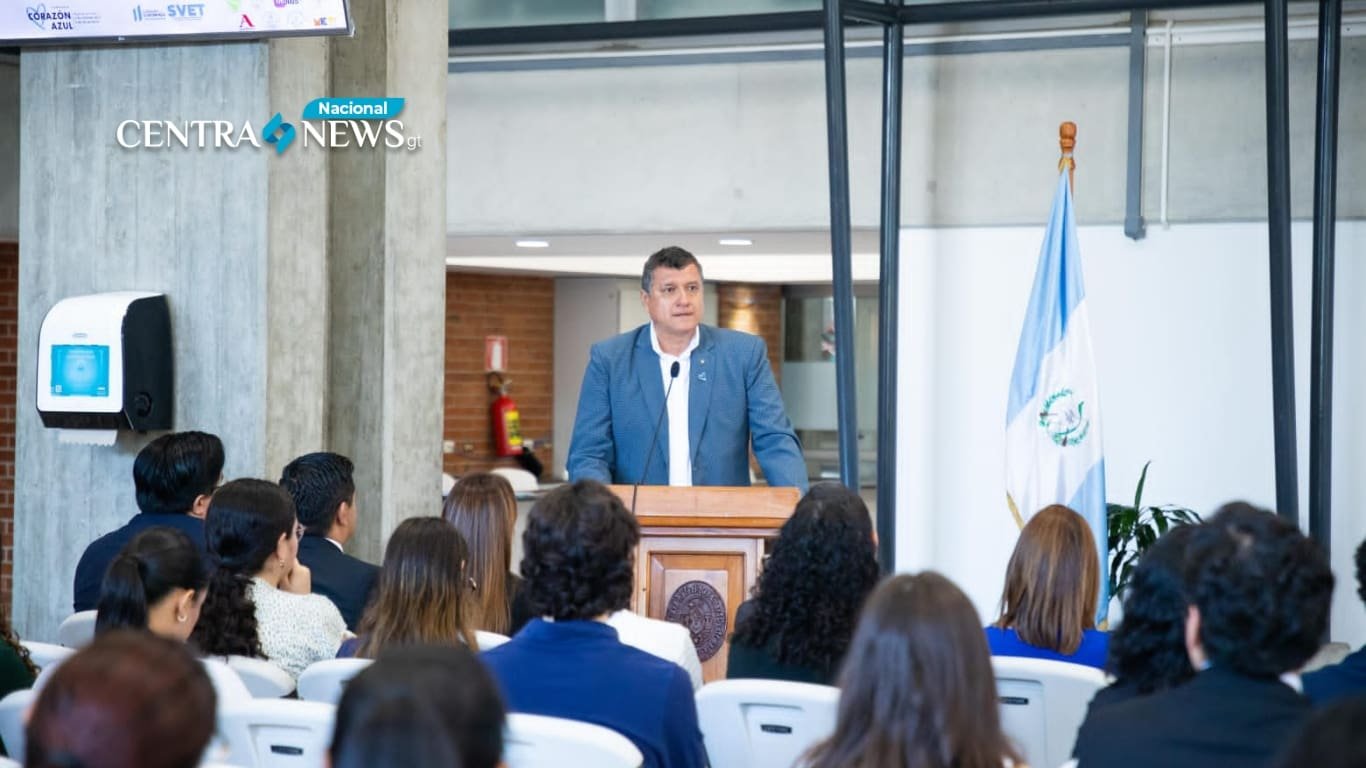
702,376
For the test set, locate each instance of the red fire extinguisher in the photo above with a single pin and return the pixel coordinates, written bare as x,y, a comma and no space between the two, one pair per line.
507,425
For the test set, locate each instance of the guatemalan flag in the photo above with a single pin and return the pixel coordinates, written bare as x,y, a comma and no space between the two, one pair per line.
1053,446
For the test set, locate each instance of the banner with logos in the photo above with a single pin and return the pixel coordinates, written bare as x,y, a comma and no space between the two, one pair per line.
30,22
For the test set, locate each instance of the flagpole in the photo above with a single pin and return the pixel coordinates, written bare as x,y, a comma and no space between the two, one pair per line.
1067,140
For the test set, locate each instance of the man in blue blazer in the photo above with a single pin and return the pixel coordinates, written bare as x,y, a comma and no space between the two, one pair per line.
722,396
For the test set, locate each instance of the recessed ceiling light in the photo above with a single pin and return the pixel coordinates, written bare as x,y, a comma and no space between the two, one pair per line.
735,241
533,244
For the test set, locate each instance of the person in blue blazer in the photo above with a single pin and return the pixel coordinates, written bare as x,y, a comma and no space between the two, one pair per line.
722,397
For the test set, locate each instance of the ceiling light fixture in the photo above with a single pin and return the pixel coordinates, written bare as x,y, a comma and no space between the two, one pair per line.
735,241
533,244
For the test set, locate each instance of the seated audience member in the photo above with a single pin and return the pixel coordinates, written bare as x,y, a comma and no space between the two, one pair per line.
423,596
1334,737
174,476
665,639
259,602
917,688
578,546
1347,677
806,602
1148,650
126,700
17,670
483,508
158,583
325,501
1257,593
420,706
1048,606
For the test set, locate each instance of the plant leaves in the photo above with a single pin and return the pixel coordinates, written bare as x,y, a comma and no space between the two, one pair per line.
1138,492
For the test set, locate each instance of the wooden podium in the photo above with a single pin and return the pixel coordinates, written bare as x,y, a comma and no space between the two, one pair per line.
699,556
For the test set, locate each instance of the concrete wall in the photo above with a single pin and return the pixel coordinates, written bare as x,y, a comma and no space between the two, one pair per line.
1180,323
9,150
187,223
742,146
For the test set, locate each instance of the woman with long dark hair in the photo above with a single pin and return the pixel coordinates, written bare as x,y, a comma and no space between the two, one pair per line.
806,602
423,596
260,601
483,508
917,689
1048,605
157,582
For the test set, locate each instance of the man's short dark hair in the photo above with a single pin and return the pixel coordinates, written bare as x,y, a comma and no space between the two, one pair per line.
671,257
578,551
1263,589
319,483
1361,571
173,470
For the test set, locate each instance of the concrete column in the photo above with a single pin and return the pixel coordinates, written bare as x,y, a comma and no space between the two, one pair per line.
306,289
387,247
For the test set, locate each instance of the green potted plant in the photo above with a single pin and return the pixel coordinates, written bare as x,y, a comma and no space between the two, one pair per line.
1132,529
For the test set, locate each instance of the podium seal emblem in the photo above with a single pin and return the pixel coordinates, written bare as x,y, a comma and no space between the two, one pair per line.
699,607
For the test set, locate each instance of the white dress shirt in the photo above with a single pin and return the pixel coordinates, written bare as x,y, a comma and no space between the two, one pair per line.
680,453
665,639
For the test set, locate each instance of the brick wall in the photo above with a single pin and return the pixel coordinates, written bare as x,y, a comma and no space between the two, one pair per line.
523,310
756,309
9,341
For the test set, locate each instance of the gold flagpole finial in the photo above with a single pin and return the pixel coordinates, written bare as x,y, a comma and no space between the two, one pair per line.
1067,140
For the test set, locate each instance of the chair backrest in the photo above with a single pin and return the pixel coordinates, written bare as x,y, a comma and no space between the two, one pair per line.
12,709
46,654
1043,703
536,741
521,480
487,640
77,630
277,733
263,679
323,680
764,723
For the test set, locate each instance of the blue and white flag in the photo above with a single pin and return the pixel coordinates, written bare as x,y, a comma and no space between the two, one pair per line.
1053,446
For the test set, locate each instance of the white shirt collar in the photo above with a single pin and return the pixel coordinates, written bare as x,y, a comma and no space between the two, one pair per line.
687,352
336,544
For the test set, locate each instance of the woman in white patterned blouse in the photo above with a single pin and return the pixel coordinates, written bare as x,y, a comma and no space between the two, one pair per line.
259,602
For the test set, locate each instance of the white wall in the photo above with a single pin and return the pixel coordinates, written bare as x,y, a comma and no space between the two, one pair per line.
1181,326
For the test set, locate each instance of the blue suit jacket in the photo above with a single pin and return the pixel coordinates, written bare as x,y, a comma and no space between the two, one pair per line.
345,580
732,398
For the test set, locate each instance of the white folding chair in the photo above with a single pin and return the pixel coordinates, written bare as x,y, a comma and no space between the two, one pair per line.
12,709
764,723
521,480
77,630
6,762
323,681
46,654
536,741
487,640
1043,703
277,733
263,679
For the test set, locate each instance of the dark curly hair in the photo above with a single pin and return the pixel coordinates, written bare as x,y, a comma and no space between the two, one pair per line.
1262,589
822,567
1148,650
242,529
578,550
1361,571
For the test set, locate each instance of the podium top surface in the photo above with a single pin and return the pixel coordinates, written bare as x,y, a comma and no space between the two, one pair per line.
710,506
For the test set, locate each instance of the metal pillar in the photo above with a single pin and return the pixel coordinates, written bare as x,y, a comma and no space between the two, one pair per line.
1325,219
888,293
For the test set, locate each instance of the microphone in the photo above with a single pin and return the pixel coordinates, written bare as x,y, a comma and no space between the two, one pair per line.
659,422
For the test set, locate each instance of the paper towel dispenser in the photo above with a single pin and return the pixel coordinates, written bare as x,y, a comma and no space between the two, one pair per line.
104,362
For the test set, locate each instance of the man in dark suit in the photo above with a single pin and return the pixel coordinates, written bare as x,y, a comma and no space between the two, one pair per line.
1347,678
1258,594
174,476
325,501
